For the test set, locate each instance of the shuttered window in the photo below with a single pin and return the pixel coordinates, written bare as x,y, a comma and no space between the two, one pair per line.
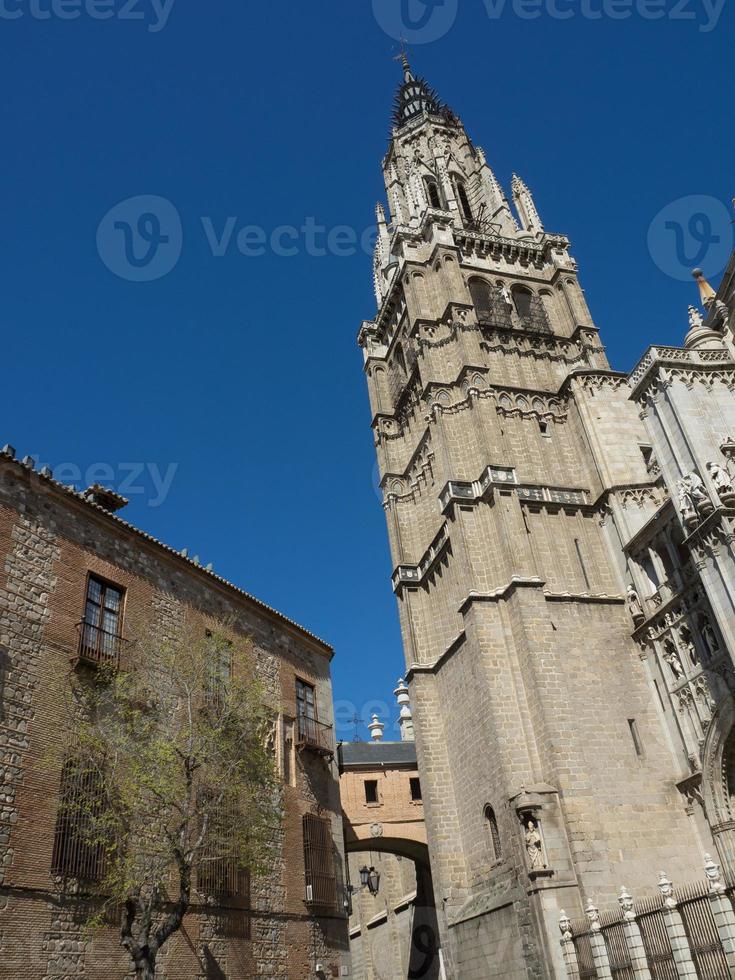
321,880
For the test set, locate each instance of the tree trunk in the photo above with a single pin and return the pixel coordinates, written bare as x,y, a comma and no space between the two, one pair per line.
145,969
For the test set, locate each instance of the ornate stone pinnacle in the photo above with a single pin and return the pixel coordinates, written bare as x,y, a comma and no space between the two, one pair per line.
714,876
695,318
565,925
593,914
666,888
705,290
626,904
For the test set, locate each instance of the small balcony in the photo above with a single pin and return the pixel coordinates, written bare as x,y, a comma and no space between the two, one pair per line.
313,736
97,647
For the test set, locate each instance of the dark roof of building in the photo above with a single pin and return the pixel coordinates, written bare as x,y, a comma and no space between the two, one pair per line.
45,476
361,754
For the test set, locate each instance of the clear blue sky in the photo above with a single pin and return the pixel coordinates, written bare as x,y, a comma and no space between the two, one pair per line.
244,371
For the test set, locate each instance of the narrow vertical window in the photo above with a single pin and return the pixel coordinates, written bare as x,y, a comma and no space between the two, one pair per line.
432,192
321,878
635,736
287,762
582,565
492,826
219,671
306,712
416,795
101,626
463,200
371,791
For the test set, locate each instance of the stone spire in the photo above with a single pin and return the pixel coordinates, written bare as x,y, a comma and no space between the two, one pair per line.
414,97
405,718
525,206
706,292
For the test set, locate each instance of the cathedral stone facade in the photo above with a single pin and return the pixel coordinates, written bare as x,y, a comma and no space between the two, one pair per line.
561,537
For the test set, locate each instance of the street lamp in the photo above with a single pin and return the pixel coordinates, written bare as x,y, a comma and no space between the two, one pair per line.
364,875
374,881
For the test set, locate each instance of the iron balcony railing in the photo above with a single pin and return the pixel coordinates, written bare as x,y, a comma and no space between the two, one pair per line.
97,646
314,736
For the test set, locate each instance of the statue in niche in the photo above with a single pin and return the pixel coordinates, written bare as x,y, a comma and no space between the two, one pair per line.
705,694
698,494
686,505
685,635
534,846
693,498
635,607
722,481
672,659
710,637
506,295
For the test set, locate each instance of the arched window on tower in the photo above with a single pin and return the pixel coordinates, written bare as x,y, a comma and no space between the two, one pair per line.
463,200
492,826
401,360
433,195
523,302
482,298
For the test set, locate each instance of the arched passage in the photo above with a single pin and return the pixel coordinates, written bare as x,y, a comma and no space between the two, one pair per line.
394,933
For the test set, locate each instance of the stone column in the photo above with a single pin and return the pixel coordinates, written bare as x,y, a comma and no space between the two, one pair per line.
675,930
633,938
567,946
722,910
597,941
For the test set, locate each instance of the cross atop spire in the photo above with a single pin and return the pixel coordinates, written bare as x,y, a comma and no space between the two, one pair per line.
403,58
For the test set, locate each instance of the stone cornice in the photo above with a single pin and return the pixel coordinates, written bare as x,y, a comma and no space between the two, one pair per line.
676,359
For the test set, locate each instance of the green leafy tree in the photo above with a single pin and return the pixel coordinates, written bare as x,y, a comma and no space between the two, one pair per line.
176,747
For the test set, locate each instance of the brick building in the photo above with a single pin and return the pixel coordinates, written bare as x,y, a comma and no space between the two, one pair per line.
79,583
561,536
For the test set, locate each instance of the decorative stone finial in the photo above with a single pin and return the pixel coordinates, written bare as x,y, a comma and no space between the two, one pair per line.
626,904
405,718
593,915
376,728
695,318
565,926
714,876
666,887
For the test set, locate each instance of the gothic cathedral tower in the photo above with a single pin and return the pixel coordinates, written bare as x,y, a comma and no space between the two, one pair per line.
504,443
